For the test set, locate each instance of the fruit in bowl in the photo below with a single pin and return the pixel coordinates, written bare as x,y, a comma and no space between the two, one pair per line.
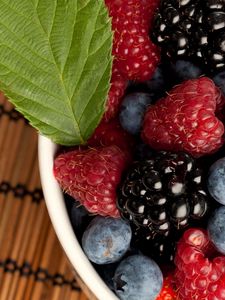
59,215
132,93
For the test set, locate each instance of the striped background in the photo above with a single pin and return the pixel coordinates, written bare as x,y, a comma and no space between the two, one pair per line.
32,263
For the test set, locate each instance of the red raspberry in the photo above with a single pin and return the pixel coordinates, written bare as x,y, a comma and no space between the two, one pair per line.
149,9
111,133
186,119
91,176
220,111
200,273
137,11
167,292
116,92
135,54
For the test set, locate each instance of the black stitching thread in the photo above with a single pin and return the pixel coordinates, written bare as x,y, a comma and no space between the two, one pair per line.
20,191
26,269
74,285
10,266
1,110
40,275
36,195
58,279
13,114
5,187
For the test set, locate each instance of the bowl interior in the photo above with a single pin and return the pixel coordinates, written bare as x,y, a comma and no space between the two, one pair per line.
57,211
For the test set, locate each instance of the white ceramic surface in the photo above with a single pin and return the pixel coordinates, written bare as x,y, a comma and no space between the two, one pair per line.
60,220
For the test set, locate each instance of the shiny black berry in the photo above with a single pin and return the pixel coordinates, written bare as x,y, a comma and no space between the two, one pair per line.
192,30
161,196
160,248
215,4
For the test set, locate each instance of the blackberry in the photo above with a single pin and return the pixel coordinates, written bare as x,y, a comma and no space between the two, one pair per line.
187,29
160,197
160,248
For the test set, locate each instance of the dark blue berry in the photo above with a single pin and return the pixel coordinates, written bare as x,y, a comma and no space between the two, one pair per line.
185,70
156,87
157,82
216,229
132,111
107,273
106,240
219,80
216,181
138,277
80,218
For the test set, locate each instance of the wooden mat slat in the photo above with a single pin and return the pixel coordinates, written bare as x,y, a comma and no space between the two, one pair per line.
33,265
23,234
15,218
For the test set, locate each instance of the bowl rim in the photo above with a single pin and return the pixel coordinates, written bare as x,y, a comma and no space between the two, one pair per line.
61,223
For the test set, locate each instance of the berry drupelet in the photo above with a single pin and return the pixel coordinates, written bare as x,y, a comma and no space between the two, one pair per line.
160,197
200,270
188,119
192,29
135,55
91,176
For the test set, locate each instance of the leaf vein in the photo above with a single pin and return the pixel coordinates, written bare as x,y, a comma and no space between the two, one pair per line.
24,78
63,68
58,83
42,105
25,44
91,96
85,62
53,20
76,127
28,61
37,4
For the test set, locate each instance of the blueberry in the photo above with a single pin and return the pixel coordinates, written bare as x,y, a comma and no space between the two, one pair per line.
106,240
219,80
156,86
132,111
138,277
157,82
107,273
216,181
185,70
79,218
216,229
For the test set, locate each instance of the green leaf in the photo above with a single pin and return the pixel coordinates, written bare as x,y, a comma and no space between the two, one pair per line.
55,64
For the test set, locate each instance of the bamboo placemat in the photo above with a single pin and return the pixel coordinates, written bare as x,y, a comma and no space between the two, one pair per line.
33,265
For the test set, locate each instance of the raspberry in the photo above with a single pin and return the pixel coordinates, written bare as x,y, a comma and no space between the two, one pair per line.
111,133
116,92
167,292
135,54
149,10
200,273
141,11
91,176
186,119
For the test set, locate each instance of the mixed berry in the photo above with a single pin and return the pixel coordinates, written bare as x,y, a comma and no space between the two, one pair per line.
149,185
192,29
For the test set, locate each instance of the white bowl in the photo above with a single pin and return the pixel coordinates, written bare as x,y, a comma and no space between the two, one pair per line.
61,223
